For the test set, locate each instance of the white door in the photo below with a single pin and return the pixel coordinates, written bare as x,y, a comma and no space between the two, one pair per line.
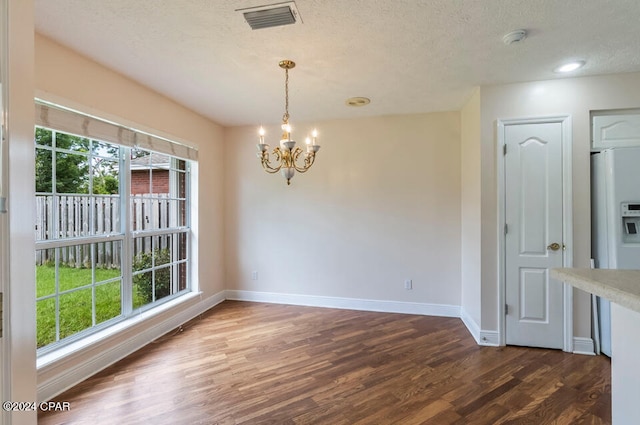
533,234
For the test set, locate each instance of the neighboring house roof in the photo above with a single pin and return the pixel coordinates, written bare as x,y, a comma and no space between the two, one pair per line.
156,161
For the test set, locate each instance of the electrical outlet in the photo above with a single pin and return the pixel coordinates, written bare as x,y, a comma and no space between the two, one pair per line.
408,284
254,275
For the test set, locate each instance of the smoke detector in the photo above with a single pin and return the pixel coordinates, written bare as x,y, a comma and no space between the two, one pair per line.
273,15
514,37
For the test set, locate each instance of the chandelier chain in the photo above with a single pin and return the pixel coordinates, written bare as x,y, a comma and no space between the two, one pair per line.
285,117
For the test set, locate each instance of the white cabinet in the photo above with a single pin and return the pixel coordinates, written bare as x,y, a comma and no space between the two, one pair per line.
625,374
615,129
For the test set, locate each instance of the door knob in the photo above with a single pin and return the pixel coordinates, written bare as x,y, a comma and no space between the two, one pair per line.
554,246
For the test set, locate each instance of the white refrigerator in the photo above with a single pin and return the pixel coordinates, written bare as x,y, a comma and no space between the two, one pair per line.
615,222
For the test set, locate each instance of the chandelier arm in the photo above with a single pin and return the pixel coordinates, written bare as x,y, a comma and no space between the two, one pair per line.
266,162
309,157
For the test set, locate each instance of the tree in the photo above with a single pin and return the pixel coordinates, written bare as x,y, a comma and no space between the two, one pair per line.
72,167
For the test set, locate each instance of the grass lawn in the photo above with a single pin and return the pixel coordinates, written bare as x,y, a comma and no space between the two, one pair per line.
75,307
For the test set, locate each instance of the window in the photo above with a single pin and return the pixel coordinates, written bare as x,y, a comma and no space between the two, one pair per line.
112,230
159,224
78,235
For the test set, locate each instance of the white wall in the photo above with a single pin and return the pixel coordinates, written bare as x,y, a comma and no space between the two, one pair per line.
381,205
470,213
573,96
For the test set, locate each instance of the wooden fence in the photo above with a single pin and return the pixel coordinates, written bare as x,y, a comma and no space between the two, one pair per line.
71,216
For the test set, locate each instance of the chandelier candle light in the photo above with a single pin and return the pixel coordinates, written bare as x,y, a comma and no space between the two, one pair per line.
286,155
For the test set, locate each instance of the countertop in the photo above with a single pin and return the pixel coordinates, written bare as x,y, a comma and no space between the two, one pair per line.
618,286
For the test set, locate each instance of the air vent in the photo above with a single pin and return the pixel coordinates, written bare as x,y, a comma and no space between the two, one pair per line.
274,15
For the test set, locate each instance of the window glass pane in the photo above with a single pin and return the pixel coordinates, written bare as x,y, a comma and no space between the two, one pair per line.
182,276
142,254
73,216
150,213
72,173
106,179
72,143
43,136
160,165
108,301
142,289
181,253
106,150
140,157
141,213
177,213
162,250
44,171
45,272
106,214
181,213
140,172
74,268
162,282
160,181
75,312
180,164
181,179
159,209
107,260
46,321
44,217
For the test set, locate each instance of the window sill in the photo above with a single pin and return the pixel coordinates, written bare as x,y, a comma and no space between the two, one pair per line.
80,345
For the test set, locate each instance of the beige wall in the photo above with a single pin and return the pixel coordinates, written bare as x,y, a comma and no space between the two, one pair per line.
573,96
381,205
470,213
72,80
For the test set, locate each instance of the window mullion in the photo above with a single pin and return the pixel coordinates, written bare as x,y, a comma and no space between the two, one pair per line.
55,204
173,221
125,223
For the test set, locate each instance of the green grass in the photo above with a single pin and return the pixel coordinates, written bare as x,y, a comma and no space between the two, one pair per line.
76,306
70,277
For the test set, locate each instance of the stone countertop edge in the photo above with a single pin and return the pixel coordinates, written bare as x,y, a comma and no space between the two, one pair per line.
618,286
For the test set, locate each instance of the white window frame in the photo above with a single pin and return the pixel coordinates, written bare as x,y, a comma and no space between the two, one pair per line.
127,235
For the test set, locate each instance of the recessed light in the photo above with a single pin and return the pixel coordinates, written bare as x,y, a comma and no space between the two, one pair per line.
568,67
358,101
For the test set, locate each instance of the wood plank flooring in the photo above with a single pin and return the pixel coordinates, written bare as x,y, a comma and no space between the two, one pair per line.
254,363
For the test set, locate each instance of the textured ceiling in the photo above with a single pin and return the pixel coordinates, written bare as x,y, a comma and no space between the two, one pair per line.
408,56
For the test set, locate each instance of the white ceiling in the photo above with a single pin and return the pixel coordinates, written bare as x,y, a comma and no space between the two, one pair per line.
408,56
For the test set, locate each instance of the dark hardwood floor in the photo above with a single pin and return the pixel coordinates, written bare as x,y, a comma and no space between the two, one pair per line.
254,363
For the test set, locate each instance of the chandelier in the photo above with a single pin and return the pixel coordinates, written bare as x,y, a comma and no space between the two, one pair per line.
287,154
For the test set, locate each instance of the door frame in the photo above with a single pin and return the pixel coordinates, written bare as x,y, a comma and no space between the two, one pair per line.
567,219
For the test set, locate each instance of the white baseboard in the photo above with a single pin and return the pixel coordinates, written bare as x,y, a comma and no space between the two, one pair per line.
472,325
60,375
444,310
490,338
583,346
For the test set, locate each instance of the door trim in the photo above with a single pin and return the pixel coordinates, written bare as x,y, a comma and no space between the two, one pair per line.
567,219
